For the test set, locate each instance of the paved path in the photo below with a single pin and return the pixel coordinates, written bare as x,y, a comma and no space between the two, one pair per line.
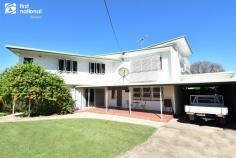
184,140
155,124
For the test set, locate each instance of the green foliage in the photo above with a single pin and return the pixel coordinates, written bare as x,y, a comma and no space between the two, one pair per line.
29,83
3,114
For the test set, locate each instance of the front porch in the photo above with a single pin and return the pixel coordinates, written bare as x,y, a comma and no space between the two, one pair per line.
124,112
155,103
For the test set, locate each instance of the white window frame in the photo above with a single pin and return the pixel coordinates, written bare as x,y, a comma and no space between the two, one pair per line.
65,65
59,65
158,93
97,65
72,69
145,92
140,93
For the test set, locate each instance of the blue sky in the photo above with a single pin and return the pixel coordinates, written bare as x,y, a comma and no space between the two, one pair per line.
83,27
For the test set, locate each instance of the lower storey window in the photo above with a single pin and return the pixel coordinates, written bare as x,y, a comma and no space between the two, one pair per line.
156,93
146,93
137,93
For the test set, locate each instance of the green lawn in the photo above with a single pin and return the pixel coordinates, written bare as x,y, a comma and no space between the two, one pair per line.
80,138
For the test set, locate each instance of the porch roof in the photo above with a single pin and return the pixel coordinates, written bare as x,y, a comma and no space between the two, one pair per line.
228,81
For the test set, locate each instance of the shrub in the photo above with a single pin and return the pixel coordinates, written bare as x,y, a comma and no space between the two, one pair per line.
29,85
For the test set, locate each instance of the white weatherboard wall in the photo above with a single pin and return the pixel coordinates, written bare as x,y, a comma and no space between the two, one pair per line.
175,69
125,99
170,68
80,100
112,102
82,77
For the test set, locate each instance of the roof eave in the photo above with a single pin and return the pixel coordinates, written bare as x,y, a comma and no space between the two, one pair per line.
11,48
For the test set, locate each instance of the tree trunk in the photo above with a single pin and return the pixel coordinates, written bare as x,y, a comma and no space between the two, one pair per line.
29,108
13,107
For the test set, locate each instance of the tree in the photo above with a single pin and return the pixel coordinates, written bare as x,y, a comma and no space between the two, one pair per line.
206,67
35,90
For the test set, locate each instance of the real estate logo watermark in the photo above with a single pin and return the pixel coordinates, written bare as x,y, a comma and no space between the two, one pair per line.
10,8
23,9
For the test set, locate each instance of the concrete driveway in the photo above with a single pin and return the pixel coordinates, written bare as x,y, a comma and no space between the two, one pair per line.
177,139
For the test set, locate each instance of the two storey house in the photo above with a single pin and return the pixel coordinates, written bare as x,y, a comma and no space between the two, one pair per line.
141,79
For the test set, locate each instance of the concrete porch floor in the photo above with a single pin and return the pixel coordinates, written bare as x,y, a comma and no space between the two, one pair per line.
140,114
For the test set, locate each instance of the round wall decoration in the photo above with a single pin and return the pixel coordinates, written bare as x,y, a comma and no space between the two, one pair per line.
123,71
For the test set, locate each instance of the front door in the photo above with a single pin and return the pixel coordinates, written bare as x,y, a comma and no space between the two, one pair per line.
119,97
89,96
99,97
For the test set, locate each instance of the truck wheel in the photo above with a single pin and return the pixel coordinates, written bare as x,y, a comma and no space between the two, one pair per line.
191,118
222,120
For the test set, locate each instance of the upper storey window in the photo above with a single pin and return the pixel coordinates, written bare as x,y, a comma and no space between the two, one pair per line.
97,68
67,65
28,60
74,66
61,65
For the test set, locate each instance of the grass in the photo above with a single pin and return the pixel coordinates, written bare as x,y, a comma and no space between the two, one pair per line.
70,138
3,114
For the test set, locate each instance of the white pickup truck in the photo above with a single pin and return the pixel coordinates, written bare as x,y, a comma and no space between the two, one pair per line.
206,106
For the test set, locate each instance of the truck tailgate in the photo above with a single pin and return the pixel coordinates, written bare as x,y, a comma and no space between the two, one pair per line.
206,110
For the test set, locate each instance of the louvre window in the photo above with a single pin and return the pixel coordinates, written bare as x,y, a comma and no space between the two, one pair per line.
147,63
28,60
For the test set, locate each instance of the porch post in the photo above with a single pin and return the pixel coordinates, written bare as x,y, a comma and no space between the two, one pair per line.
130,100
106,98
75,97
94,97
89,97
161,102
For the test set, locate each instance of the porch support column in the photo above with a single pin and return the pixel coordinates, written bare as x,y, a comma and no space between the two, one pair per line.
106,99
161,101
89,97
75,97
130,99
